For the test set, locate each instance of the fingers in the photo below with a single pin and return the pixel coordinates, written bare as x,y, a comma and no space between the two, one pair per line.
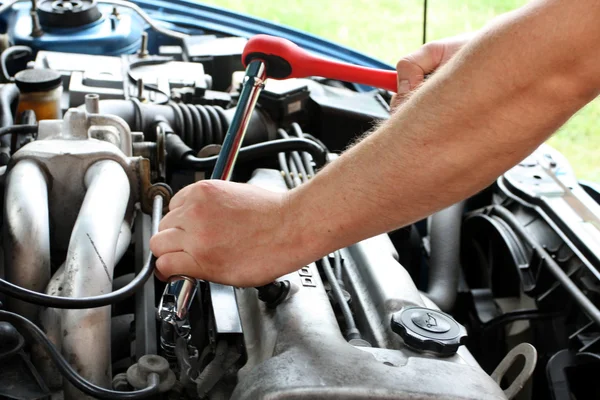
167,241
177,263
179,198
413,68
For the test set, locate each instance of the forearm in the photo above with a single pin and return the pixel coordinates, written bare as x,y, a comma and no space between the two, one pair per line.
489,107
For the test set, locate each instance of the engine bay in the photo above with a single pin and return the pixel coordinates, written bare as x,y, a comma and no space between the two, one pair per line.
107,110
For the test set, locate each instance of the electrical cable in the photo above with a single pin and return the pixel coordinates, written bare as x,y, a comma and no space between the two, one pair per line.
165,31
306,157
80,303
18,129
148,86
295,158
333,275
351,330
518,315
337,265
68,372
286,170
259,150
6,54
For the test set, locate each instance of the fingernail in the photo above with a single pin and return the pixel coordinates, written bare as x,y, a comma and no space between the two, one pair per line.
403,86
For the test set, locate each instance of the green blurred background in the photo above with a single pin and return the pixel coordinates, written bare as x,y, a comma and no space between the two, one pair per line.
388,29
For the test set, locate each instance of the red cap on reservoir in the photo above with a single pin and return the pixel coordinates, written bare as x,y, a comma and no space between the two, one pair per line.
285,59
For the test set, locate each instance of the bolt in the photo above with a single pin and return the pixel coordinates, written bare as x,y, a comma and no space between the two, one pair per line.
144,46
36,28
140,89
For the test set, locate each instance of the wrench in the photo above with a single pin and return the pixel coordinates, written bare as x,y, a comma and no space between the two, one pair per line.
264,57
285,59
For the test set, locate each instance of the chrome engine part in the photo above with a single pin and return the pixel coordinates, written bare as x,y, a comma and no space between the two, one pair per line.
384,318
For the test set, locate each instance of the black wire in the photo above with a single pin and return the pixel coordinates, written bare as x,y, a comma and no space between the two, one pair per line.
67,371
8,53
148,86
306,157
259,150
295,158
18,129
80,303
519,315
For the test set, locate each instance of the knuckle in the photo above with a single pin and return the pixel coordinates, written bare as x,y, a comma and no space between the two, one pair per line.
155,245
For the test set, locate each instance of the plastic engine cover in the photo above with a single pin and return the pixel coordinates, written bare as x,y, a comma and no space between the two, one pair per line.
109,35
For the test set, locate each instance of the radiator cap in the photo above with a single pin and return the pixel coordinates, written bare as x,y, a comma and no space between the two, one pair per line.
427,330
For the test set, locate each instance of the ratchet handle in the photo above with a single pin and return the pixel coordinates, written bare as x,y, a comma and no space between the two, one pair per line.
285,59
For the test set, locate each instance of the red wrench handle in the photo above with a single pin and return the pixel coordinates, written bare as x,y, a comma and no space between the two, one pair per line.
285,60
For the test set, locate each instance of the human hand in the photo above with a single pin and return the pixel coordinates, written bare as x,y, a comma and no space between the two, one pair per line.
413,67
228,233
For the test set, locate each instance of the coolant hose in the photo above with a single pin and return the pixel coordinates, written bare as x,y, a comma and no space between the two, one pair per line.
444,259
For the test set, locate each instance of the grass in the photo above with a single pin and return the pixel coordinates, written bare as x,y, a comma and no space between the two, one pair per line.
388,29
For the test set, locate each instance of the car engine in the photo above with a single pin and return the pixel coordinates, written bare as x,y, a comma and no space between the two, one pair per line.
108,108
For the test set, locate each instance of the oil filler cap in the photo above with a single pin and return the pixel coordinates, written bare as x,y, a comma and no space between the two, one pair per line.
427,330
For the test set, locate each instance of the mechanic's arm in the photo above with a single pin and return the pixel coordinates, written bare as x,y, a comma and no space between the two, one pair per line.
501,96
493,103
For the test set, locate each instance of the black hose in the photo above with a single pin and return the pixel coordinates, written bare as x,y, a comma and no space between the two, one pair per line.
6,54
444,259
80,303
18,129
68,372
295,156
143,117
351,330
580,298
186,160
307,160
518,315
283,165
201,125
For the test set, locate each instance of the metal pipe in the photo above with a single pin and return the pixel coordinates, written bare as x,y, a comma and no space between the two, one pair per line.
88,271
50,318
157,212
444,260
26,233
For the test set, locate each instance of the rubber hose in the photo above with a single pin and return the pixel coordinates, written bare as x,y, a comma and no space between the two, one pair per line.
444,259
142,117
